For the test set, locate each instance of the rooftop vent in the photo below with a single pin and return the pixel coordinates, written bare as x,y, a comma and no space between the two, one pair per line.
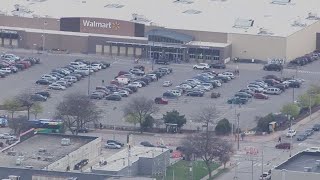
139,18
307,169
243,23
281,2
318,163
298,23
264,31
313,16
192,11
183,1
114,6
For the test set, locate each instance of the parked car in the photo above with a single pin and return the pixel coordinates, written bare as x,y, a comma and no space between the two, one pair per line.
316,127
136,84
243,95
215,95
146,144
301,137
97,95
260,96
38,97
273,91
313,149
218,65
195,93
64,83
203,66
55,86
113,97
137,72
115,142
309,132
160,100
291,133
272,67
169,95
43,82
237,100
265,176
44,93
142,68
283,146
167,83
112,146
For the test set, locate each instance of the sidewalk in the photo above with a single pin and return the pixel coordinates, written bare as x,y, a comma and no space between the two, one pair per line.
216,171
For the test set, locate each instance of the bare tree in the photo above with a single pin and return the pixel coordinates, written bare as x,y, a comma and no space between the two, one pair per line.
207,116
11,106
36,109
76,111
209,148
26,101
18,124
138,109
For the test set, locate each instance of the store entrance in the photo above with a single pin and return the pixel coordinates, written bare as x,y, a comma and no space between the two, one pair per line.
167,53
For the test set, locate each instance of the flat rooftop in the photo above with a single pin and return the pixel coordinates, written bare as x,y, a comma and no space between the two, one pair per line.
28,150
276,16
300,161
119,160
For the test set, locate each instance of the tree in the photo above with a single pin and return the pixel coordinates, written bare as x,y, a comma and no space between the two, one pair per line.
18,124
138,109
148,122
76,111
208,147
26,101
304,101
36,109
223,127
291,110
263,122
174,117
207,116
11,106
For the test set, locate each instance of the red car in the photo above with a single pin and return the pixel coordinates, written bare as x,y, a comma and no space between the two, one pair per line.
260,96
283,146
160,100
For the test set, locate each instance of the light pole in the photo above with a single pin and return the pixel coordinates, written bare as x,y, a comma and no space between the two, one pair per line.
238,131
44,35
310,108
291,137
292,91
89,79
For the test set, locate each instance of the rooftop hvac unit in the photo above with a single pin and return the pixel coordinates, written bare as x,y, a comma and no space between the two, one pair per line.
318,163
298,23
13,177
312,16
307,169
65,142
18,161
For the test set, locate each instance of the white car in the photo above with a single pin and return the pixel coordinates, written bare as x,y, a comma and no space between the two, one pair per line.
167,83
223,75
98,66
11,56
207,85
48,76
194,81
291,133
56,86
265,176
123,93
136,84
313,149
112,146
203,66
176,92
6,70
255,88
7,136
86,71
78,64
184,86
153,76
230,74
218,83
201,88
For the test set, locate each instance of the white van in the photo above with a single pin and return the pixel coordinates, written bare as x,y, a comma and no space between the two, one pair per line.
123,80
273,90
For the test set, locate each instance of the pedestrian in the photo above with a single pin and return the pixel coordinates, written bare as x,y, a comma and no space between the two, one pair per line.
100,126
242,136
279,140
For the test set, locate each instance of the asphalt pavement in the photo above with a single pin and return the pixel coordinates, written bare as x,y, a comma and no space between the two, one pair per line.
189,106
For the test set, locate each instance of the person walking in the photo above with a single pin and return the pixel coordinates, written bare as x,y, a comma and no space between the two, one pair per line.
279,140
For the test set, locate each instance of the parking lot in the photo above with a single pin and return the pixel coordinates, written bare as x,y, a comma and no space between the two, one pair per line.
112,110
